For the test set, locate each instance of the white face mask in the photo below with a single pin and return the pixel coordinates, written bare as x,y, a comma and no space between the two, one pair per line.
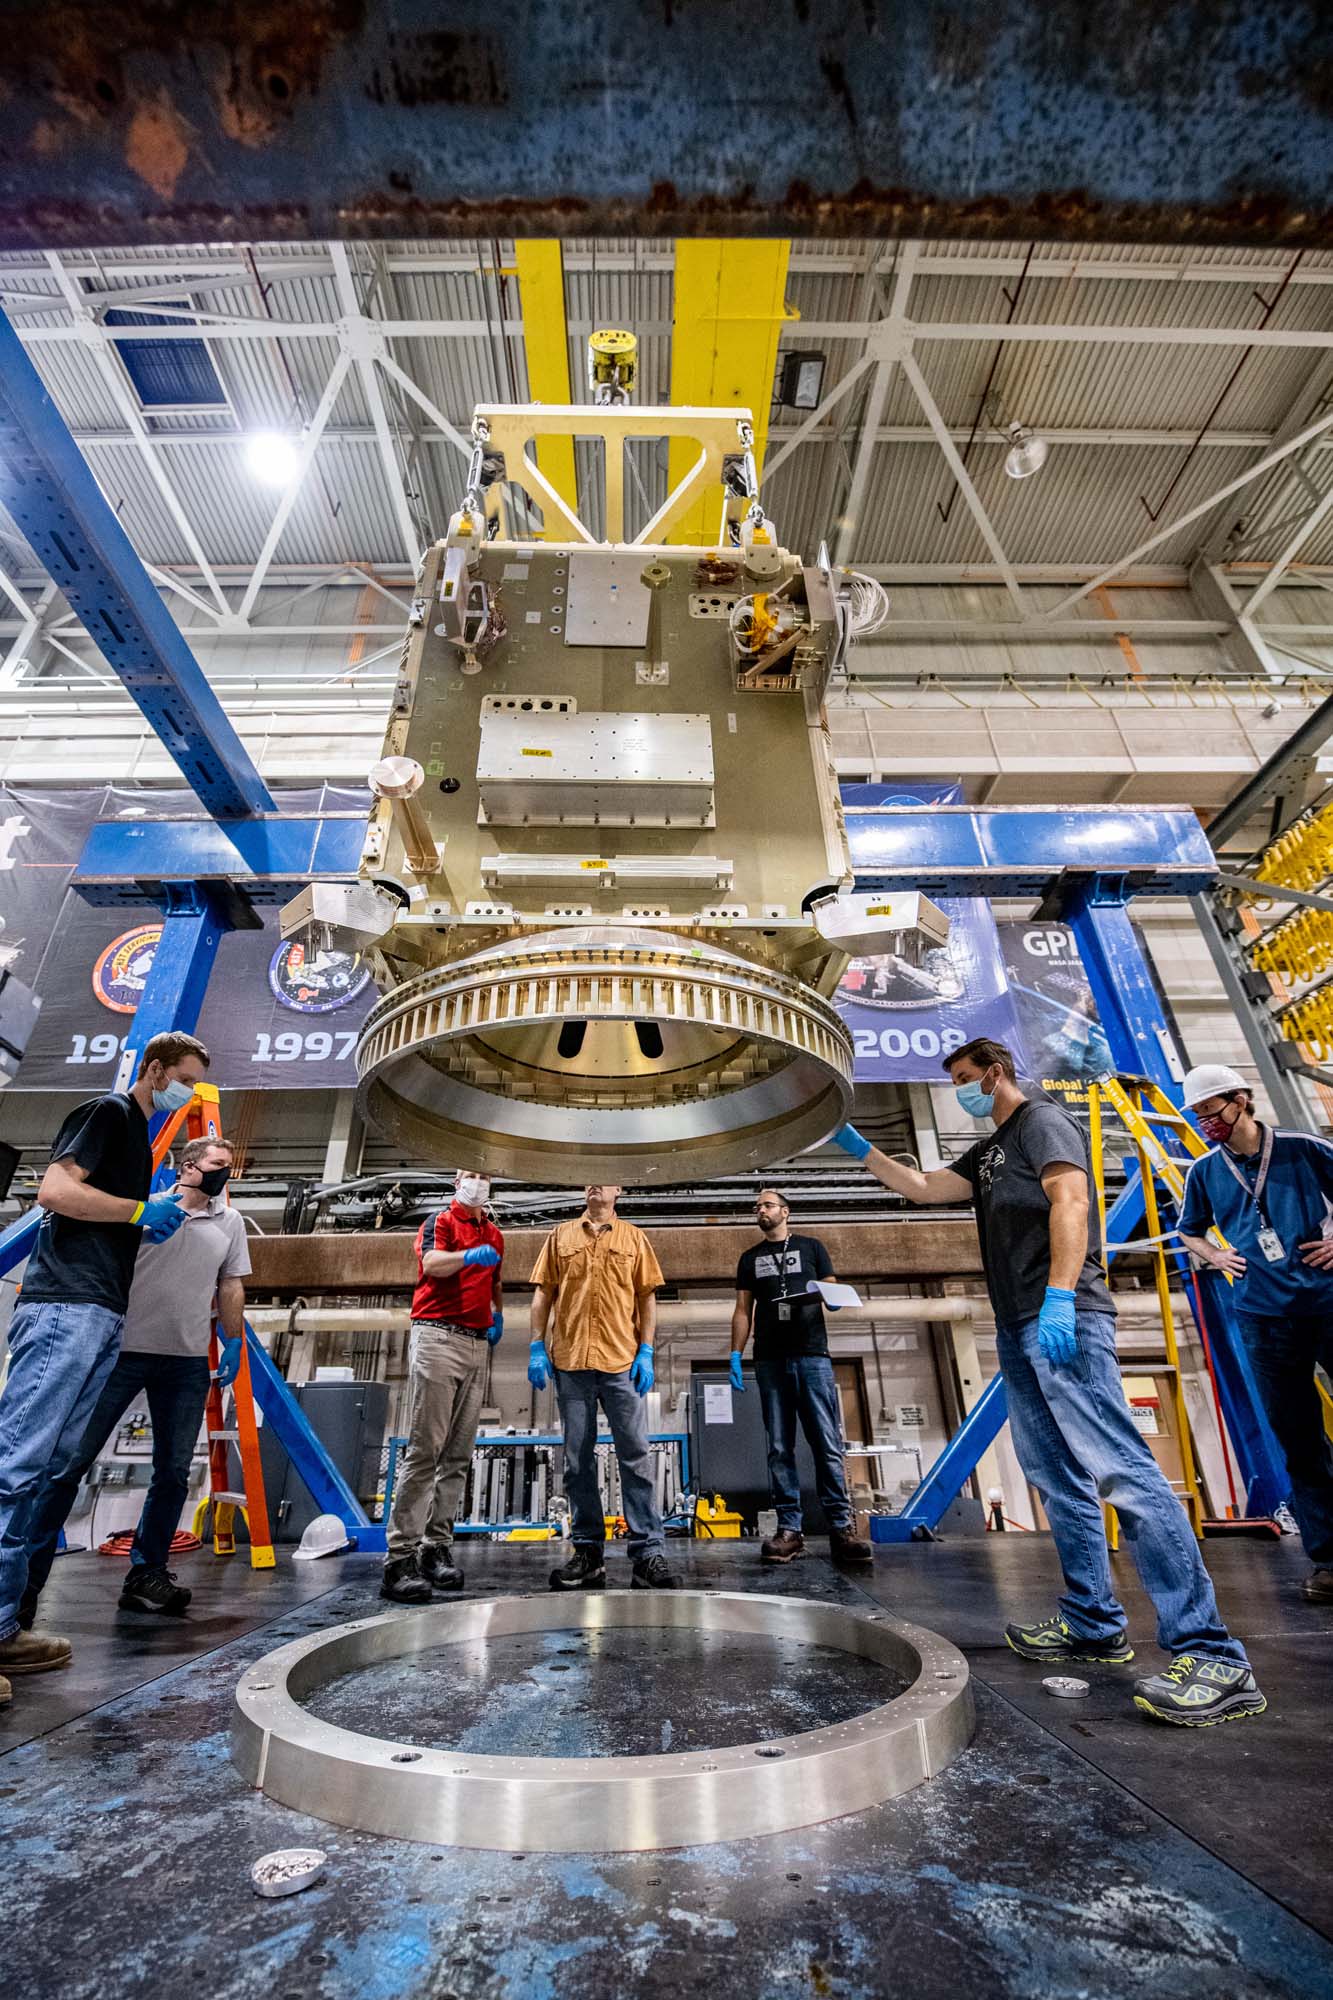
473,1191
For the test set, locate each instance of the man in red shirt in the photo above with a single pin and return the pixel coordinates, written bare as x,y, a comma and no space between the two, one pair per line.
457,1317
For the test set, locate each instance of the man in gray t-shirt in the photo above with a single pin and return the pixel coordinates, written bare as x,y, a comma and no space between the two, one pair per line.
163,1357
1030,1182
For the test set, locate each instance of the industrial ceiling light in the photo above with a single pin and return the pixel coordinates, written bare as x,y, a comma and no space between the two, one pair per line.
272,458
1027,451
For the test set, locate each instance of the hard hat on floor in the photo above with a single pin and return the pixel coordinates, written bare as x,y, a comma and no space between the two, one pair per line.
1210,1080
324,1537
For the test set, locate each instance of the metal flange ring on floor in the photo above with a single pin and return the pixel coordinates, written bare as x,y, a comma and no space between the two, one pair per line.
599,1804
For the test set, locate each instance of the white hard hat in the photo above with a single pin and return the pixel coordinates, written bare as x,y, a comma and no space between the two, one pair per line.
1210,1080
324,1537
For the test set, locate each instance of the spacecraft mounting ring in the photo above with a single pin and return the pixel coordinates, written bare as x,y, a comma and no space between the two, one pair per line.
461,1063
610,1804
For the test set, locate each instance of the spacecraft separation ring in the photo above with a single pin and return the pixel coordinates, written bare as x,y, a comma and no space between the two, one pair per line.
605,1804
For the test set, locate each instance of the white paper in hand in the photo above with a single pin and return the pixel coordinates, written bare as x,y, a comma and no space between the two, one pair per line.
834,1295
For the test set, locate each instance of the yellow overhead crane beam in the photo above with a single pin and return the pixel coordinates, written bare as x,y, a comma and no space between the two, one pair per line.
541,282
730,308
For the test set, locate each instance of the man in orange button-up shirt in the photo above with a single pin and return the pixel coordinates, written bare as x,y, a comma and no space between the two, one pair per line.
600,1275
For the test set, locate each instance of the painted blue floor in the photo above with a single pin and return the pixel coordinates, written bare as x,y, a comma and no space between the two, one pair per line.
1044,1862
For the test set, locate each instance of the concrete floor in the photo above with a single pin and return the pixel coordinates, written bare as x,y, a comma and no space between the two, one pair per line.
1074,1850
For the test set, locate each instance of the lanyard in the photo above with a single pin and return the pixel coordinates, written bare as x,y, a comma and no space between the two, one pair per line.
1257,1191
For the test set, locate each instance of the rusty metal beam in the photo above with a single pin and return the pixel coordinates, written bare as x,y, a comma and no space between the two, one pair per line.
382,1260
154,121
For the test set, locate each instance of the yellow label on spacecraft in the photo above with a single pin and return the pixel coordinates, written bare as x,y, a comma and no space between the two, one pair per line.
594,864
536,753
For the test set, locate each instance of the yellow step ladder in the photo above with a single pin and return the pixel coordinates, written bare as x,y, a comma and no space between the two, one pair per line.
1140,1106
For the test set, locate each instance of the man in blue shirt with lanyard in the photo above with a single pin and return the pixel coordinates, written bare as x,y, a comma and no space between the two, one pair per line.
1270,1193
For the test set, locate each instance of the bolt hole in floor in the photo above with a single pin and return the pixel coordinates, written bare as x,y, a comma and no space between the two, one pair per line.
622,1693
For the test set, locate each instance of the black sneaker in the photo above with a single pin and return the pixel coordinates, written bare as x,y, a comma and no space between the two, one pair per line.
403,1583
437,1565
654,1573
585,1570
146,1589
1051,1639
1195,1693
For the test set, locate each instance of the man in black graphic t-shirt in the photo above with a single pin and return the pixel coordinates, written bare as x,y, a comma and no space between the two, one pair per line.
1030,1183
795,1377
65,1334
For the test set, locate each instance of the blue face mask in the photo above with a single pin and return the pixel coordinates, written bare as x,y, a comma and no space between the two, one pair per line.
975,1101
174,1097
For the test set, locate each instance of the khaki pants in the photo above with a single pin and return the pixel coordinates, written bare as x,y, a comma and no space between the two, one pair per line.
447,1372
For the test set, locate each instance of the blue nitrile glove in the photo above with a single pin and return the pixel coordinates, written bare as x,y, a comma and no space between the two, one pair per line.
539,1368
641,1370
484,1257
162,1217
229,1362
851,1141
496,1328
1056,1335
737,1372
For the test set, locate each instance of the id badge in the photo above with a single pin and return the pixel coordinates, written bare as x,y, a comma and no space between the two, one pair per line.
784,1309
1271,1245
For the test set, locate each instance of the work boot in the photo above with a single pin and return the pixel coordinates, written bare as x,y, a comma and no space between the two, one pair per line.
585,1570
1051,1639
437,1565
1318,1587
6,1692
403,1583
784,1547
149,1589
849,1551
31,1653
653,1573
1195,1693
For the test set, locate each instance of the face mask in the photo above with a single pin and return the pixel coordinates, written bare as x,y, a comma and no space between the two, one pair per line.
213,1180
975,1101
472,1190
175,1097
1218,1128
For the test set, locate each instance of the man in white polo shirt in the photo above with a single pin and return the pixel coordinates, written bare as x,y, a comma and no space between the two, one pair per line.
163,1356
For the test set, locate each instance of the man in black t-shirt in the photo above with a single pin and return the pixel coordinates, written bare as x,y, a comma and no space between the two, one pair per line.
1030,1182
65,1333
795,1377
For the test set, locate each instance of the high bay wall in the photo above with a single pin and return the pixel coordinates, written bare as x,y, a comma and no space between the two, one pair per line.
1137,697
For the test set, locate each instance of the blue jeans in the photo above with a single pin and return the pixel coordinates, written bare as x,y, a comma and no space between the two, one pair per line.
1283,1353
59,1359
578,1391
1078,1444
803,1386
177,1387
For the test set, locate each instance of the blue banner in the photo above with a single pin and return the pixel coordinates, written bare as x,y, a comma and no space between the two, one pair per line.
905,1019
916,792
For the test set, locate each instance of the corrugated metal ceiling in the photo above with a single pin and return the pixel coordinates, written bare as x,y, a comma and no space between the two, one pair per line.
1087,506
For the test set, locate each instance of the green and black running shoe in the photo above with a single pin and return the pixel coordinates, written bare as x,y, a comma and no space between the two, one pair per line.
1051,1639
1195,1693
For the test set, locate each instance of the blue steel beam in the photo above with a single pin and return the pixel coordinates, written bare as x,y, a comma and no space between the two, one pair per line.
1197,121
124,862
1127,1001
292,1428
1017,850
47,487
952,1469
